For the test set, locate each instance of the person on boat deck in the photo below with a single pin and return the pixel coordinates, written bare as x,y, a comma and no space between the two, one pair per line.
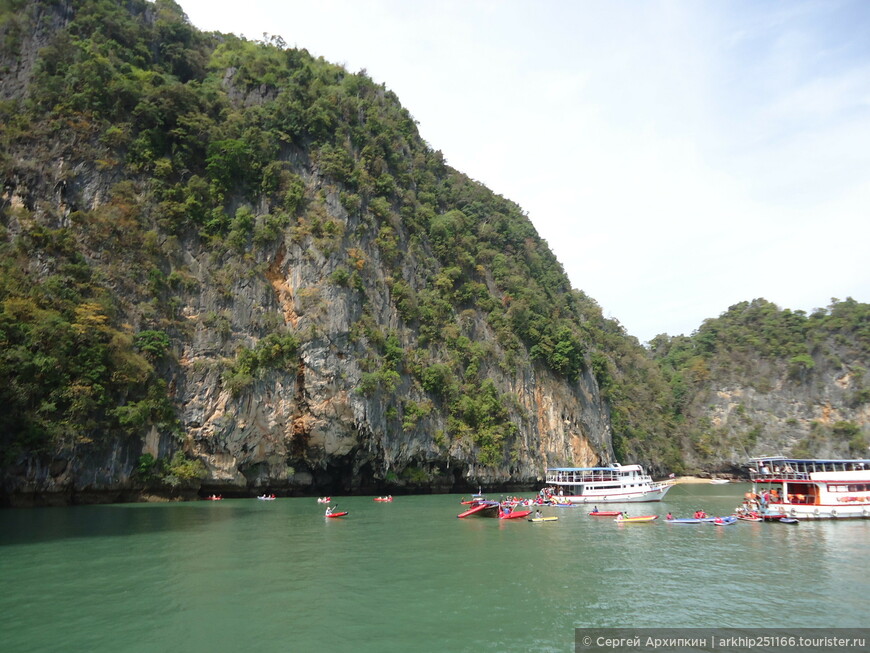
595,509
329,510
669,516
537,514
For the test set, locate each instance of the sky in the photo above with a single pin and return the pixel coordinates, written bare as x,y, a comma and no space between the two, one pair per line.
677,156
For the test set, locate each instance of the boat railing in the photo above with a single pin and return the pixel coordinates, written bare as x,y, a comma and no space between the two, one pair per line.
593,477
779,475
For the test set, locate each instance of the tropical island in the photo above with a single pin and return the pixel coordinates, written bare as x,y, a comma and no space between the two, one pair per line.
227,266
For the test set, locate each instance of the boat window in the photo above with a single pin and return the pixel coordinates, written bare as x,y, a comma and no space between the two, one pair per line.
854,487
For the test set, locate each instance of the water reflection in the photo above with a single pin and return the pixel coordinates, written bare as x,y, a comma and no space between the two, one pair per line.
408,576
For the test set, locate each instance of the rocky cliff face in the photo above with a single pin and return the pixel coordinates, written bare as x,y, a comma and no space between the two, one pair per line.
309,429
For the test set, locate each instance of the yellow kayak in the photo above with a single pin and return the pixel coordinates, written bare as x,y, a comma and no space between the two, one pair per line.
540,519
636,520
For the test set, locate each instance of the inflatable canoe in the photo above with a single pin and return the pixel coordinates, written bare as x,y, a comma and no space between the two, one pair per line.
336,514
605,513
543,519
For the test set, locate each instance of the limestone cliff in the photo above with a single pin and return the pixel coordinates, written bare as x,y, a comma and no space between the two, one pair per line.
328,306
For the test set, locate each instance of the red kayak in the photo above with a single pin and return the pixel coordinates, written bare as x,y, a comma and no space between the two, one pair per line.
336,514
605,513
516,514
483,509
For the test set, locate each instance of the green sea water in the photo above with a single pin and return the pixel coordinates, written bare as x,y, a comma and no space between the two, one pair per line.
249,575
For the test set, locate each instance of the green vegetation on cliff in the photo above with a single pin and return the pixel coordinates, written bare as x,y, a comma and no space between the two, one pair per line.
760,347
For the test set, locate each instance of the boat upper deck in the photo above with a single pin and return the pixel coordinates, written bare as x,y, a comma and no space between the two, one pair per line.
561,475
774,469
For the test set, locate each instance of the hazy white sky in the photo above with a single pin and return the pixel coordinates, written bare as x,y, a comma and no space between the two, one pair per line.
678,156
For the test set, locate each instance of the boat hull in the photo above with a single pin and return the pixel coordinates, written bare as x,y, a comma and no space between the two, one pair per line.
654,494
802,511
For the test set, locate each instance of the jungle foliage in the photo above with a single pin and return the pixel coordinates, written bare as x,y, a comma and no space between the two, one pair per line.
753,343
202,126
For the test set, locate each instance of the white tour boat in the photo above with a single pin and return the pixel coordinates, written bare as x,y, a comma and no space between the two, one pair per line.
614,484
809,489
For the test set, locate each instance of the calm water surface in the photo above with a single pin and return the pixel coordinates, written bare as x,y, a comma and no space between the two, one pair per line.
248,575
